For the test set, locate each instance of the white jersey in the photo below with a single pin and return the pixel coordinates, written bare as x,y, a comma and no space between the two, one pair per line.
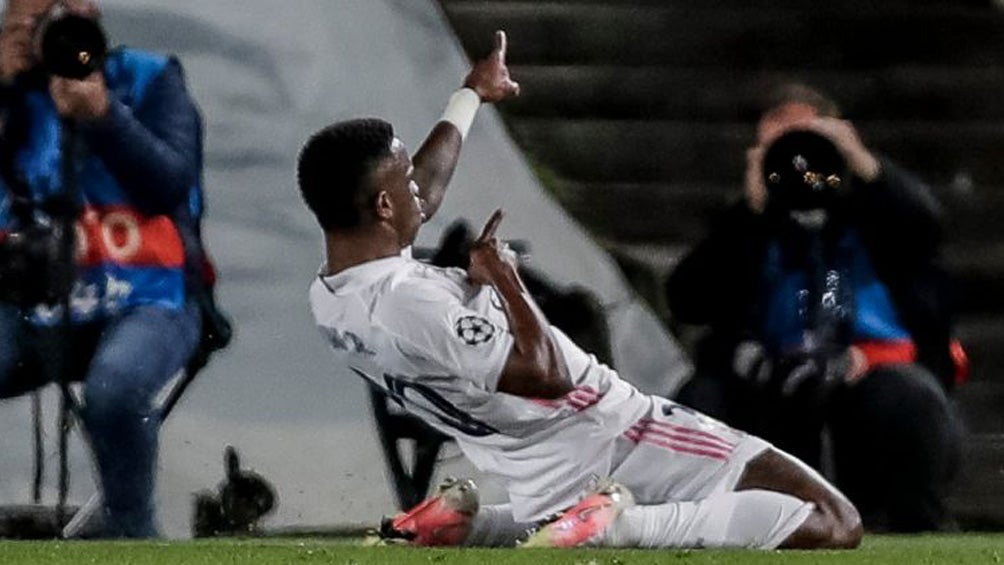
437,345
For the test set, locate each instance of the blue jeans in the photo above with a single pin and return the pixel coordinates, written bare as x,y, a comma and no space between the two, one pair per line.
124,363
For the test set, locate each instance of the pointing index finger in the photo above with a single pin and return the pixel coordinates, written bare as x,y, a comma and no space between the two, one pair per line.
501,44
492,225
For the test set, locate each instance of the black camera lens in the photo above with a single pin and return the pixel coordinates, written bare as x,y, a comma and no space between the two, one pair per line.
803,171
73,46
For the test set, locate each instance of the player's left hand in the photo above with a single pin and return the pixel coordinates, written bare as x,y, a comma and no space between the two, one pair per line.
490,259
754,188
490,76
85,100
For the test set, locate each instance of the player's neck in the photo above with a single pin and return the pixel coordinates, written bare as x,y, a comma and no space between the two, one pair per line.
348,249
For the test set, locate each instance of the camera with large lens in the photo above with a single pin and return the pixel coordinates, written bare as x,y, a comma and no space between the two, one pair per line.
804,172
73,46
30,271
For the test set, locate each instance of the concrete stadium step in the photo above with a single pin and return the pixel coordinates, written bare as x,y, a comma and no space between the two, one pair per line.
724,95
977,496
979,405
982,333
681,212
979,268
980,400
646,151
661,213
843,5
688,34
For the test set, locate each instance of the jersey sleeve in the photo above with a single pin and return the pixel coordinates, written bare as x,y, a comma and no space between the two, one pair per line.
438,336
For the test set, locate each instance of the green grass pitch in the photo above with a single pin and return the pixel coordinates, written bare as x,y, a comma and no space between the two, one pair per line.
876,550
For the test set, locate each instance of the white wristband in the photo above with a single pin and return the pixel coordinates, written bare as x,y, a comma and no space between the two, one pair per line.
461,109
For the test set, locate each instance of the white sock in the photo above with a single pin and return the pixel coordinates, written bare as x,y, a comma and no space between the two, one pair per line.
494,527
758,519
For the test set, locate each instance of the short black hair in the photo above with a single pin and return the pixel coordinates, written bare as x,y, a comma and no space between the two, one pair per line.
780,94
334,169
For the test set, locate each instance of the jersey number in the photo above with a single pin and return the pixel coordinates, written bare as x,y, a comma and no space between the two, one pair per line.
444,410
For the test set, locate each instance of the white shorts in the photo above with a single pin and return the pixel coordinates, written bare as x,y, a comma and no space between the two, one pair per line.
674,453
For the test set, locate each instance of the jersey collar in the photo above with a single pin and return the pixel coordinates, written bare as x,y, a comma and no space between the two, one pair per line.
364,273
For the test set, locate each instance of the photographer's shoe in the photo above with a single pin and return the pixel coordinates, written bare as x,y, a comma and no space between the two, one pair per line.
583,523
442,519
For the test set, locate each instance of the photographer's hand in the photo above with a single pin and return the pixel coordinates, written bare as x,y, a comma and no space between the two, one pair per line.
755,189
85,100
16,50
859,158
858,365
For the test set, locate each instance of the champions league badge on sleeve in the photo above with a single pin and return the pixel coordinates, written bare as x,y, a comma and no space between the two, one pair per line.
474,330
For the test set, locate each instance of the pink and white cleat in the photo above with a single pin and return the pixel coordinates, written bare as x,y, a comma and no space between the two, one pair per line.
583,523
442,519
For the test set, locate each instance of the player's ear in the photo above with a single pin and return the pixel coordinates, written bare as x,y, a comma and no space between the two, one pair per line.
383,207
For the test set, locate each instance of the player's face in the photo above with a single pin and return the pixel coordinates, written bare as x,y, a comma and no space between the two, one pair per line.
395,177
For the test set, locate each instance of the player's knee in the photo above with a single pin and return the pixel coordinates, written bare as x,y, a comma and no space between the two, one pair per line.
843,524
849,531
835,523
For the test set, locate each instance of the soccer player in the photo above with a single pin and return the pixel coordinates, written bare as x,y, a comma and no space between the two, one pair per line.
470,353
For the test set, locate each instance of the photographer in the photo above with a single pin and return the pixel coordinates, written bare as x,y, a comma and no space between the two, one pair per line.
829,313
140,270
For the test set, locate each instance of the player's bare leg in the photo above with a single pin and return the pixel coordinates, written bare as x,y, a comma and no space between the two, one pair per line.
833,523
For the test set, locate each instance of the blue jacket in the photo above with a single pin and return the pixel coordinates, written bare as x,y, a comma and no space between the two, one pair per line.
139,172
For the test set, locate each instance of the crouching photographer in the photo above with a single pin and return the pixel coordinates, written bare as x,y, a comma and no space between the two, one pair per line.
100,209
824,308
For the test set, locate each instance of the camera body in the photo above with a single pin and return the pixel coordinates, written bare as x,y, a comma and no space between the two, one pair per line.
804,171
30,272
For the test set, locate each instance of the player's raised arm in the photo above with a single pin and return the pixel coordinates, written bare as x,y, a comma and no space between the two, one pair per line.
535,368
436,159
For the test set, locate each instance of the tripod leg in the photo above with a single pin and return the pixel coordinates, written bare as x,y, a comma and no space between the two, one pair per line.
36,415
82,517
65,421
